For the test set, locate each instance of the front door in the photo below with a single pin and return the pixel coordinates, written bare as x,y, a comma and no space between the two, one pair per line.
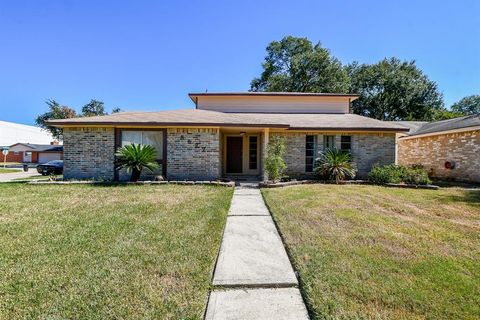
234,154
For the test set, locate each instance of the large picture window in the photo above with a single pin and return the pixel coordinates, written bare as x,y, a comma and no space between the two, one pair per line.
152,138
309,153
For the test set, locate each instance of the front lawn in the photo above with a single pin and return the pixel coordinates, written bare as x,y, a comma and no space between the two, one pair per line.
369,252
9,170
108,252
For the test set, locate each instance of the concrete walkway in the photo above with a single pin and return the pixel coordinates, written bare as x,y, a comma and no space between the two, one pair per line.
253,277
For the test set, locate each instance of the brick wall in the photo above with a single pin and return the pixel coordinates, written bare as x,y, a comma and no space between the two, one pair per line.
193,154
367,149
371,149
88,153
433,151
13,156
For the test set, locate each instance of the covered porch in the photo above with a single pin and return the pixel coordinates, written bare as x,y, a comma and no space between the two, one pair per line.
242,153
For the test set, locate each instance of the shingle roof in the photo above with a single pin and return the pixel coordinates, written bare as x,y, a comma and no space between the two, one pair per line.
450,124
42,147
49,148
413,126
185,117
197,117
328,121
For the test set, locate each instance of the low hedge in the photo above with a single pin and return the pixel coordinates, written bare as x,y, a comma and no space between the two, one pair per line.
399,174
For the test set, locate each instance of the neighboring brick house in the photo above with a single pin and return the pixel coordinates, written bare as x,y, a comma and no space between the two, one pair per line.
226,136
448,149
34,153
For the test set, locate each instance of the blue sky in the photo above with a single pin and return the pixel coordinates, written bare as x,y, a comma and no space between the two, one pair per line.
147,55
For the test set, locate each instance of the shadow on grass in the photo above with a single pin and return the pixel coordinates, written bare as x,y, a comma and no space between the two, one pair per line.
468,196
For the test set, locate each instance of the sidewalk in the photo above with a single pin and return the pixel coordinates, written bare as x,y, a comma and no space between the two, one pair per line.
253,278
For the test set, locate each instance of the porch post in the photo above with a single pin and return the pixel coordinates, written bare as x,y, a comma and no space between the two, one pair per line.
266,137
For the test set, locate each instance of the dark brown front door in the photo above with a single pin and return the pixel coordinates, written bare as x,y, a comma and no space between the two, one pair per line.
234,154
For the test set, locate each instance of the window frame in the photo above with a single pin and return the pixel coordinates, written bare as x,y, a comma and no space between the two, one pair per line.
349,143
309,166
118,145
325,140
252,152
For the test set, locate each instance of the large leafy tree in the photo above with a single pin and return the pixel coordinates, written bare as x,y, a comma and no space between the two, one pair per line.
296,65
467,105
445,114
55,111
93,108
394,90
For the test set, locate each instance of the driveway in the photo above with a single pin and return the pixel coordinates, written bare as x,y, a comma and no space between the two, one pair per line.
6,177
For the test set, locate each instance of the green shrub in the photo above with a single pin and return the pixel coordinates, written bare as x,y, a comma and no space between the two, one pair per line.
334,164
416,176
134,158
274,164
398,174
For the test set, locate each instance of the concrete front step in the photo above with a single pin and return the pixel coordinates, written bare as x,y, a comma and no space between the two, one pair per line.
253,304
247,191
252,255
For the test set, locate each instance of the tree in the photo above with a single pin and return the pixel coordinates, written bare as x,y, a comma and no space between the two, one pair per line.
93,108
467,105
444,114
134,158
116,110
56,111
274,163
296,65
394,90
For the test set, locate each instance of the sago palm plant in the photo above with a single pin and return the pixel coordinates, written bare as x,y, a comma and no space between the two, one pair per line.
134,158
334,164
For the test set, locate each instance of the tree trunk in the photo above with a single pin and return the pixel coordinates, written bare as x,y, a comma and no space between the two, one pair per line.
135,175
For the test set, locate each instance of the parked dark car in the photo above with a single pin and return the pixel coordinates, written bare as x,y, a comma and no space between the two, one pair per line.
51,167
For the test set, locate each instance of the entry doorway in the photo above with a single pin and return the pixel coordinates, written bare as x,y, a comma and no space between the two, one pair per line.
234,154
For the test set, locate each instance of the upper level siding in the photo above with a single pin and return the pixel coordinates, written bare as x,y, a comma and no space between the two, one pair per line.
274,104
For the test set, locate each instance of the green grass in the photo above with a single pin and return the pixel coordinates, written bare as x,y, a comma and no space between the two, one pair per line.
108,252
9,170
369,252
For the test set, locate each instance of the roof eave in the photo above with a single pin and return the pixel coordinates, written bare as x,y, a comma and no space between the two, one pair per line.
352,96
163,124
350,129
436,133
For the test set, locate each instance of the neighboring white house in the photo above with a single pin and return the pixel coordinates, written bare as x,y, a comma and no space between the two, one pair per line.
11,133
